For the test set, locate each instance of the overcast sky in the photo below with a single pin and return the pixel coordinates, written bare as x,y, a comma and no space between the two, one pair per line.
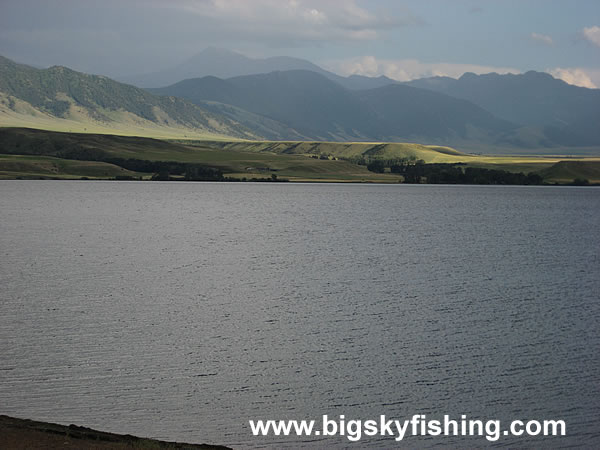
403,39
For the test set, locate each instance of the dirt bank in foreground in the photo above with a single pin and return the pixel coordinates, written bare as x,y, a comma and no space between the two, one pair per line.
28,434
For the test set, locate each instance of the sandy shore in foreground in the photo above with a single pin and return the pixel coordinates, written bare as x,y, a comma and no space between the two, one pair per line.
28,434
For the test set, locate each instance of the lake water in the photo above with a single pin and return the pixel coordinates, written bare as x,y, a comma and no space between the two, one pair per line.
182,310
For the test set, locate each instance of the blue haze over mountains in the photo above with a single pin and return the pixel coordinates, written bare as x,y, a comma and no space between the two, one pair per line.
284,98
223,63
321,109
485,112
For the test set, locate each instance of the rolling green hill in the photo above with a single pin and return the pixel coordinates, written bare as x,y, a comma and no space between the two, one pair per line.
567,171
261,125
62,98
39,145
36,153
32,166
347,150
554,169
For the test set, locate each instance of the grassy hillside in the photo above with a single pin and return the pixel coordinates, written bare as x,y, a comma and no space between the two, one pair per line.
566,171
60,98
347,150
578,167
237,163
261,125
25,116
25,141
27,166
380,150
56,154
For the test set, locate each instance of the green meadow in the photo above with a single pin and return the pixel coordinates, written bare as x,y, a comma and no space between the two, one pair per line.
569,168
28,166
30,153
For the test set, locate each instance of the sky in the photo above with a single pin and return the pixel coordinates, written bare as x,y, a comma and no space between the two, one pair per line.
402,39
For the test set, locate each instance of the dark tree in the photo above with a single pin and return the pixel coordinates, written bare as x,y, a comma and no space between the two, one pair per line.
377,166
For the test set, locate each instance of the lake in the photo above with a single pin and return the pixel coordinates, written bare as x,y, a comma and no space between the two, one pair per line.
182,310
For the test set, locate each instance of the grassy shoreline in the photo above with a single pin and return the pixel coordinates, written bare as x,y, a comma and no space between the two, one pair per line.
37,154
19,434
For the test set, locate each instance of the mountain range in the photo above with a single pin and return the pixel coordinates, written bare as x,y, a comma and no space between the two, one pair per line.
223,63
293,99
569,115
320,109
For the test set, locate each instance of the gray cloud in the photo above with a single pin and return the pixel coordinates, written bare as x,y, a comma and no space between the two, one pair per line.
290,20
592,34
134,36
575,75
541,38
408,69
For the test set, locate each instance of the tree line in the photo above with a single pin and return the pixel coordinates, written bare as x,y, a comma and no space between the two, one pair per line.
163,170
414,170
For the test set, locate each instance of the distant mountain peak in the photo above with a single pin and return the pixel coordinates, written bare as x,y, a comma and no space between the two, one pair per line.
468,75
533,74
530,75
224,63
59,69
218,50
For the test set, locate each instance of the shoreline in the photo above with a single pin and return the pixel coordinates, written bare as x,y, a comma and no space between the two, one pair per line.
294,181
19,434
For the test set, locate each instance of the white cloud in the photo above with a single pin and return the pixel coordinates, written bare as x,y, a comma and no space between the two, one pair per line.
542,38
592,34
408,69
574,75
291,20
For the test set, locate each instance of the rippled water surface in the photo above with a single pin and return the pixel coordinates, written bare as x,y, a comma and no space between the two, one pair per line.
182,310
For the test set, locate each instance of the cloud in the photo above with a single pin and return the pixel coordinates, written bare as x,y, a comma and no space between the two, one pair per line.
592,34
542,38
290,20
408,69
476,10
574,75
117,37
